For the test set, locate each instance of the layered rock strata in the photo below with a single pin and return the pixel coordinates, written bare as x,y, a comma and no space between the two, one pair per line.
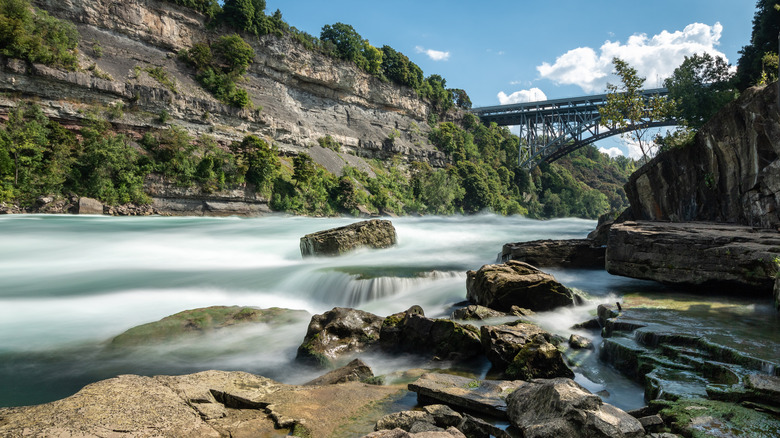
741,258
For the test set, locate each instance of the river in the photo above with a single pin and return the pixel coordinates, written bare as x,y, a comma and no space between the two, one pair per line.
69,284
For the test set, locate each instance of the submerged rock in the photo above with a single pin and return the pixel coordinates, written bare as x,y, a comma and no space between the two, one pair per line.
204,320
563,408
699,417
573,253
696,254
375,233
519,284
337,333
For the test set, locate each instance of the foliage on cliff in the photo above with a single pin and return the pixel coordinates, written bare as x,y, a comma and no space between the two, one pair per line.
752,64
220,66
38,157
33,35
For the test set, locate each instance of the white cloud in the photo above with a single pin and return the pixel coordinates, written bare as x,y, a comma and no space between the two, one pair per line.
532,95
654,58
436,55
612,152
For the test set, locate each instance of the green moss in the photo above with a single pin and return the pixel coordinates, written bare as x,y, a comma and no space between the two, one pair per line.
706,418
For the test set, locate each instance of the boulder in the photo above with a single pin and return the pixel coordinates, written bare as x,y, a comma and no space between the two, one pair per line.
486,397
538,359
580,342
355,371
374,233
403,420
204,320
90,206
574,253
501,343
696,254
561,407
412,332
338,333
513,283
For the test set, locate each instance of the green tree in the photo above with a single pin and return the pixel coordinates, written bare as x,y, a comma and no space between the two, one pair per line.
460,98
35,36
626,109
243,14
766,26
347,42
233,54
303,168
699,87
257,161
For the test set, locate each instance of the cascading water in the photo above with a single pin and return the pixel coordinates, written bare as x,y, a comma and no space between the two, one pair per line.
70,284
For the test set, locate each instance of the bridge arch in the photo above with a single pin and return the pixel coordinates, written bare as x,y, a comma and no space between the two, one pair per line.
552,129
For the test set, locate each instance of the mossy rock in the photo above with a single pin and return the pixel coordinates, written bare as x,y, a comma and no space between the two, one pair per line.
204,320
538,359
696,417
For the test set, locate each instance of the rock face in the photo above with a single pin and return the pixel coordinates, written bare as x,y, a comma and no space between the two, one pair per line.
207,404
375,233
304,95
516,284
561,407
574,253
730,174
355,371
697,254
200,321
337,333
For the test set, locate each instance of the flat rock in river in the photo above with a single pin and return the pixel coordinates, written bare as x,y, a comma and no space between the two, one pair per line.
486,397
695,254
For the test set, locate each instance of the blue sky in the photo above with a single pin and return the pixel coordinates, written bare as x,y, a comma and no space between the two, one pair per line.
507,51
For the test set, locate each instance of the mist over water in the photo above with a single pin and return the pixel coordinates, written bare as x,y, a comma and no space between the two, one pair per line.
69,284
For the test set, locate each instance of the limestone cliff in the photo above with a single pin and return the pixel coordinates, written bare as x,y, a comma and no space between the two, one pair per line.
731,173
298,95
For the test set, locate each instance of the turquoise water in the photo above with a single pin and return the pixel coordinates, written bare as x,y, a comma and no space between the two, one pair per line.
70,284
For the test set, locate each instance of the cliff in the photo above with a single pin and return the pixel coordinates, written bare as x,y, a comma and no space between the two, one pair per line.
729,174
298,95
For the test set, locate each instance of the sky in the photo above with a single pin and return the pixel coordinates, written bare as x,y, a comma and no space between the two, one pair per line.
505,51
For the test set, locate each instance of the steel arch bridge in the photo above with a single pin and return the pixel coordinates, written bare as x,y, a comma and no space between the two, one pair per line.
551,129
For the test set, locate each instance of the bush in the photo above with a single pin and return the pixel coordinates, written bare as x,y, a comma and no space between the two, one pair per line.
33,35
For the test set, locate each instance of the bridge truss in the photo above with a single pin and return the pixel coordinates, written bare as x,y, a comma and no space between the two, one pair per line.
553,128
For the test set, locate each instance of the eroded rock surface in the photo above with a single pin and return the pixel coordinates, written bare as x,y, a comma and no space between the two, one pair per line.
514,283
563,408
486,397
731,173
207,404
695,254
573,253
375,233
338,333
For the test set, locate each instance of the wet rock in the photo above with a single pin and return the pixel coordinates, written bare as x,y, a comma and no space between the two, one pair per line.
451,432
338,333
695,254
485,397
205,320
516,284
523,351
765,386
476,313
591,324
573,253
412,332
580,342
600,235
561,407
90,206
355,371
374,233
776,293
699,417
